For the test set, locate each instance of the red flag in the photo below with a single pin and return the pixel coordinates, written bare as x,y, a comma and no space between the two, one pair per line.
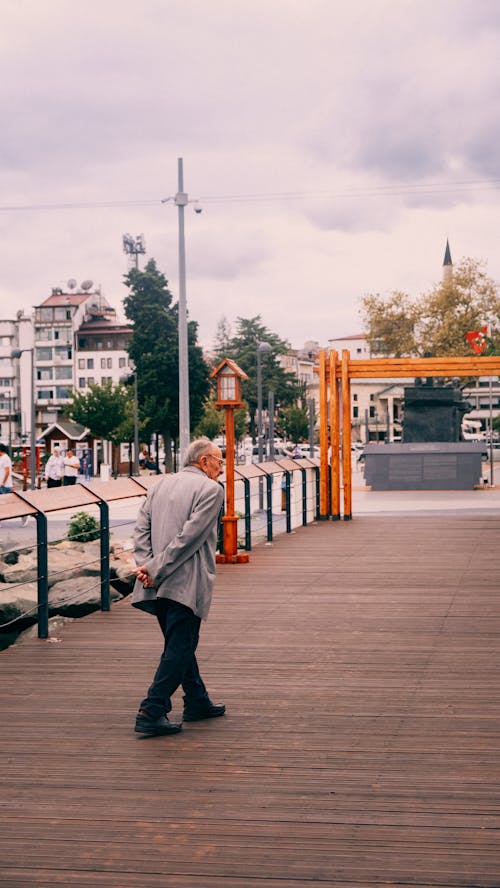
478,340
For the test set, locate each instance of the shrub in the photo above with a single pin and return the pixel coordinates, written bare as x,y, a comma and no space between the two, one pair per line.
83,528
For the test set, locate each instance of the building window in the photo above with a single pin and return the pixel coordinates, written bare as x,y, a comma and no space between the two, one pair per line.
81,382
62,392
109,363
106,379
44,314
90,380
43,333
44,373
372,397
62,314
103,363
64,372
45,394
63,353
372,412
90,363
81,363
355,411
355,397
121,362
99,345
44,354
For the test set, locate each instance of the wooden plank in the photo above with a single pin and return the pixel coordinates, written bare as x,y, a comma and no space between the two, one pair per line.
374,368
359,665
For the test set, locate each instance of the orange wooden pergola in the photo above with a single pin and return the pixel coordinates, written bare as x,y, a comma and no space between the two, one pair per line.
335,374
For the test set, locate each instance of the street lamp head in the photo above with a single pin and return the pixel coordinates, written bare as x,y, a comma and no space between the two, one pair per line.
16,352
263,347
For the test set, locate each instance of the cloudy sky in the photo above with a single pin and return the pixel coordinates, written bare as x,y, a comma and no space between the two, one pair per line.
334,145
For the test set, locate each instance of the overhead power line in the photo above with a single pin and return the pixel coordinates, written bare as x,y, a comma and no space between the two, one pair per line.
397,190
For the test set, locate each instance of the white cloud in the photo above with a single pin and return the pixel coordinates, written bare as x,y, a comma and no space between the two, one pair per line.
342,127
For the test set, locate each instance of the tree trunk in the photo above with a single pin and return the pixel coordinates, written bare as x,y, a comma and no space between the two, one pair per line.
167,443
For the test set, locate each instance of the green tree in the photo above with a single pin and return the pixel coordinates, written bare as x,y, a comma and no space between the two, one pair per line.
438,321
211,422
391,324
466,301
295,423
242,348
106,410
155,352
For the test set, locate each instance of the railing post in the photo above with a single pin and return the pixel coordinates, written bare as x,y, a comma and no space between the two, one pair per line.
248,515
318,492
269,507
304,496
42,574
105,596
288,503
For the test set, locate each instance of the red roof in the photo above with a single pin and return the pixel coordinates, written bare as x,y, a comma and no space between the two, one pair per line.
65,299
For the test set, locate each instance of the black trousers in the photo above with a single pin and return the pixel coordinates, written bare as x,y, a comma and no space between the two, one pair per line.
177,666
54,482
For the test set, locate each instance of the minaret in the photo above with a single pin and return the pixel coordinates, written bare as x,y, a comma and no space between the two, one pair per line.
447,264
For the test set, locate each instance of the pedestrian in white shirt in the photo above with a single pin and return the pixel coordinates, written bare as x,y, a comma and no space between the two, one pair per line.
71,467
54,469
5,470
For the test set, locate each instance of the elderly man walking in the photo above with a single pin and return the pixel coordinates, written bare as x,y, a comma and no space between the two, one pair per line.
175,539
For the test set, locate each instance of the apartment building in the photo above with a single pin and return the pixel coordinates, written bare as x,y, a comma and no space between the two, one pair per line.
78,341
15,386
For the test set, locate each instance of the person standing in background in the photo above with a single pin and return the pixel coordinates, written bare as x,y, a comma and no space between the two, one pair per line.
5,470
71,467
54,469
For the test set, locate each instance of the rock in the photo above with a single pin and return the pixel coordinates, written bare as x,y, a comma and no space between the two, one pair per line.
77,596
121,568
14,602
64,559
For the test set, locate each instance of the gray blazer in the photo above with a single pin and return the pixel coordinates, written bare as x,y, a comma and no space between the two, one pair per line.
175,538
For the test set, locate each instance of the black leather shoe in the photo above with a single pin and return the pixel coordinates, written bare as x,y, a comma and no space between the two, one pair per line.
146,725
206,710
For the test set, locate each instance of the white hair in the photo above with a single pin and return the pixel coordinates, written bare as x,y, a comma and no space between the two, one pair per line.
196,449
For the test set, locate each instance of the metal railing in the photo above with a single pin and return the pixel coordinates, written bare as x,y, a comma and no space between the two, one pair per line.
291,499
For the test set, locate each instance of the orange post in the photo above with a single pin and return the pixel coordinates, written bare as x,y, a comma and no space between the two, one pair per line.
229,377
346,435
230,521
334,437
324,497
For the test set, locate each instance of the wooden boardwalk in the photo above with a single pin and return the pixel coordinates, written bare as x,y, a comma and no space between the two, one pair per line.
359,664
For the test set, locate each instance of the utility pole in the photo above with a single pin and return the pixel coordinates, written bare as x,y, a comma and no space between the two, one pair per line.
181,200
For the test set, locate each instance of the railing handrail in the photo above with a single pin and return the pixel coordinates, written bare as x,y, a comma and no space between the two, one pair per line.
40,503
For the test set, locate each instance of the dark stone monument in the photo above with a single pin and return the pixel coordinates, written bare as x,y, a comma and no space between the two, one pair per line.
433,412
432,455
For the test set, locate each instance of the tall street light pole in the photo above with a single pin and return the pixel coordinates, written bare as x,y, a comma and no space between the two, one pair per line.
16,353
181,200
261,348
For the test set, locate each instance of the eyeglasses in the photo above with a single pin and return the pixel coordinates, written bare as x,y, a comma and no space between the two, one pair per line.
217,459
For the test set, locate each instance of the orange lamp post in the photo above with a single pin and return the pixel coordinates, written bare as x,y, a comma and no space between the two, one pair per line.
229,376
